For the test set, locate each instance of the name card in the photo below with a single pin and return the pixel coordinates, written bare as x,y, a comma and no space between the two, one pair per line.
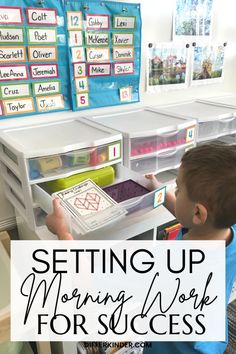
75,38
122,39
50,103
44,71
81,84
11,35
11,15
44,88
98,54
74,20
48,53
79,69
14,90
99,69
123,68
13,72
20,106
41,16
97,39
97,22
42,35
77,54
124,22
1,110
12,54
123,53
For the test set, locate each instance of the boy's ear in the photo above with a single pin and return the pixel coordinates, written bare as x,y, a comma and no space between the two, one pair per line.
200,214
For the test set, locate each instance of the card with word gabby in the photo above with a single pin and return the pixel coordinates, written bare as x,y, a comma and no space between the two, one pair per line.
104,44
33,58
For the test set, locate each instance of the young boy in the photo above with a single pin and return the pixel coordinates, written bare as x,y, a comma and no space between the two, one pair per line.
205,204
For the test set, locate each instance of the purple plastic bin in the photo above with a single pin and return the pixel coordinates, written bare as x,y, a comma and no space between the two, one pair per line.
125,190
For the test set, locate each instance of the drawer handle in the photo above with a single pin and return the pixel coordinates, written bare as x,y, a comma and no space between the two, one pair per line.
167,154
226,120
166,135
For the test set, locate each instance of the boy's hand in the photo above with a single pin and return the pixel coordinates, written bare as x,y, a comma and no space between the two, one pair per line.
154,182
56,222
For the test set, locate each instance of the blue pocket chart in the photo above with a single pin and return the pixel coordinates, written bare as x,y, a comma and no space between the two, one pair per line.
104,44
34,67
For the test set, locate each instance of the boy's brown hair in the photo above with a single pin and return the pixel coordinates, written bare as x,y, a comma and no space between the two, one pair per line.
209,174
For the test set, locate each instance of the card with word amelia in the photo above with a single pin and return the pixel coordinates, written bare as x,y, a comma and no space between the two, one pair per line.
59,55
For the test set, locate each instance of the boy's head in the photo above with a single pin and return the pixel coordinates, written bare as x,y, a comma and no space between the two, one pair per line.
207,186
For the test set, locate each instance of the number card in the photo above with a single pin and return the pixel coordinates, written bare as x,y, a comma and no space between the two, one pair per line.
82,100
74,20
75,38
97,39
114,152
46,88
159,197
122,39
14,90
77,54
13,72
12,54
98,54
123,53
43,71
11,15
41,35
81,84
97,22
12,35
124,22
79,69
41,16
190,134
99,69
123,68
48,53
126,94
19,106
50,103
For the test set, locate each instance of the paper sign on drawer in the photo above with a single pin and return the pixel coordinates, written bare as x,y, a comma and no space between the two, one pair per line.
190,134
159,197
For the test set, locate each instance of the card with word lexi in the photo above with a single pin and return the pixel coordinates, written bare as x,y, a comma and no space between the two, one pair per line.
33,58
104,45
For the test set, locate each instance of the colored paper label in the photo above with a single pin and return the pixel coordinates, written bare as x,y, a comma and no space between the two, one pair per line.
11,15
43,71
97,39
190,134
74,20
126,94
50,103
46,88
114,151
14,90
81,84
124,22
41,16
12,54
123,68
98,54
79,69
123,53
99,69
38,35
77,54
122,39
82,100
1,110
11,35
20,106
48,53
13,72
97,22
159,197
75,38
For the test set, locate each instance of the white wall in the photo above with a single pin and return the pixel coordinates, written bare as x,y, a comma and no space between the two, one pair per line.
157,27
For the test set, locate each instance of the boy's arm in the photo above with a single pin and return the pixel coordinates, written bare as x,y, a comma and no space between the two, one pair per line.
56,222
170,198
